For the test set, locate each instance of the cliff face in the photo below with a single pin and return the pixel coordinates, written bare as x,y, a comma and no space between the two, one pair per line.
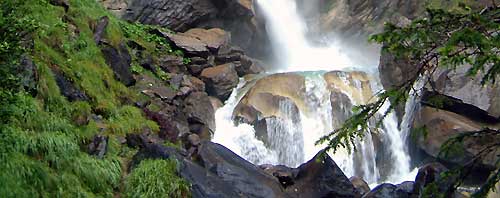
235,16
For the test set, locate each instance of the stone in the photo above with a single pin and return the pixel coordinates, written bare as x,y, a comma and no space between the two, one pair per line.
360,185
407,187
430,173
194,140
199,110
444,125
216,103
98,146
100,29
172,64
63,3
28,75
154,88
68,89
194,84
190,45
284,174
220,80
119,60
247,65
321,177
386,191
245,178
171,119
213,38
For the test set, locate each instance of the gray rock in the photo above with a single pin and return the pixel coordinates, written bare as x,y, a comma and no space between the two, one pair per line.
199,110
119,60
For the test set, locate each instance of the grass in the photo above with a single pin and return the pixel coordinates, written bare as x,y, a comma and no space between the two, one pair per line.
156,179
43,137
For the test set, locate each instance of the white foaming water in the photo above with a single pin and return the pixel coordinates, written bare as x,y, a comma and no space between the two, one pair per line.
240,139
291,138
288,36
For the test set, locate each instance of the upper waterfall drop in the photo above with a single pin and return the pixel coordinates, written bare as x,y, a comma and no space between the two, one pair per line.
294,52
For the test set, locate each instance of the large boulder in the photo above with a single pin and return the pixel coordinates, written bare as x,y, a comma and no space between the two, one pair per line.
442,125
245,178
321,177
220,80
458,84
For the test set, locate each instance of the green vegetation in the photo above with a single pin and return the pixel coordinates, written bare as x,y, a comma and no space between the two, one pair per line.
442,39
43,135
156,178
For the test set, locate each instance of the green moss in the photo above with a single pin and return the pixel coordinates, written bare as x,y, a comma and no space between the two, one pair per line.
156,178
129,119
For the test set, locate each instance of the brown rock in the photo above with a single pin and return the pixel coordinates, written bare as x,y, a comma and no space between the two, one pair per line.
360,185
213,38
220,80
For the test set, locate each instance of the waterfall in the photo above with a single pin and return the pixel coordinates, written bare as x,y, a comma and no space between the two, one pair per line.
292,133
288,36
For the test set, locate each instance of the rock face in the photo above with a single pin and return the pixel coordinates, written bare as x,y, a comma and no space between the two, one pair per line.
234,16
360,185
220,80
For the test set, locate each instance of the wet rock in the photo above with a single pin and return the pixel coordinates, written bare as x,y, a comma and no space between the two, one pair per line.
119,60
246,178
199,110
341,107
431,174
386,191
407,187
360,185
321,177
67,88
100,29
98,146
220,80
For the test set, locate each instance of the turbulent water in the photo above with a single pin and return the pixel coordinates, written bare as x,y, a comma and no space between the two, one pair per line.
291,139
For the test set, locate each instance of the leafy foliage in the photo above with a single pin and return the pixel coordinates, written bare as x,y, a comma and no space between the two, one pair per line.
442,39
156,178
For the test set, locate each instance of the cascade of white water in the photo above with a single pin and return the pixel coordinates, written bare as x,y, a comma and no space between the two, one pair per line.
288,36
291,138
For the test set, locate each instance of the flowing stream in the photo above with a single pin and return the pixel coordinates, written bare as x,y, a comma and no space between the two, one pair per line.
291,138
